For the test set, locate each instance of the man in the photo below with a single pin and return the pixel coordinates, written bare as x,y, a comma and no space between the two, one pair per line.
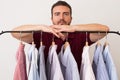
61,16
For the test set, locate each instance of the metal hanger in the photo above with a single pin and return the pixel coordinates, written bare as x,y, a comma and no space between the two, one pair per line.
53,42
20,37
66,41
106,40
86,43
41,43
98,43
33,39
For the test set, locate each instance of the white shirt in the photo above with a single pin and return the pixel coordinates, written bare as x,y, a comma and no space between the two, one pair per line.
86,72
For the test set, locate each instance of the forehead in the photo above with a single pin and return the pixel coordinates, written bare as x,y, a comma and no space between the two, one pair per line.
61,9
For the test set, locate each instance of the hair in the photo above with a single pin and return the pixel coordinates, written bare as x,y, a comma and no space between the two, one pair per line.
61,3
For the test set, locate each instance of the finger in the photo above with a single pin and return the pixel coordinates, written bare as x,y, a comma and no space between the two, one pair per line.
56,31
52,31
62,36
56,26
55,34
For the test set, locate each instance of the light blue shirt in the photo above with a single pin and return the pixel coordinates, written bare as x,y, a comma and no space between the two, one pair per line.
99,67
33,73
41,63
53,66
111,69
68,64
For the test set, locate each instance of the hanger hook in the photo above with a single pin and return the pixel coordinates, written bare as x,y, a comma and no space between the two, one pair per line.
86,43
21,36
53,42
53,38
86,37
98,43
106,35
41,38
32,37
106,43
67,37
98,35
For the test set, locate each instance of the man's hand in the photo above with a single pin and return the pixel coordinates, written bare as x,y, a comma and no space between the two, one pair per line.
50,30
63,28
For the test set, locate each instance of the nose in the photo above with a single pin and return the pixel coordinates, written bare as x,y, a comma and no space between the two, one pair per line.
61,16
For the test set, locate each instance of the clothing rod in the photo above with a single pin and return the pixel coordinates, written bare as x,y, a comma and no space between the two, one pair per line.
33,31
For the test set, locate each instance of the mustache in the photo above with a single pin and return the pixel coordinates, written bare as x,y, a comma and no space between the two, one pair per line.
62,20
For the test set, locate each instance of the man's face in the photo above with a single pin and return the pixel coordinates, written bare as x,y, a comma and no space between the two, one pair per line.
61,15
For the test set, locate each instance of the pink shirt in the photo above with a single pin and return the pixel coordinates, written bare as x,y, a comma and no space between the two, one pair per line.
20,70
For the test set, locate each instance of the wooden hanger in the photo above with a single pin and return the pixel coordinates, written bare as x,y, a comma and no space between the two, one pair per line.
66,44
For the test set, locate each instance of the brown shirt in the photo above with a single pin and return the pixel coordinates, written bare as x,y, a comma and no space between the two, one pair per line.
76,41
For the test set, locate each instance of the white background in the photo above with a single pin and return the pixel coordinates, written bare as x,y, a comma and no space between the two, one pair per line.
14,13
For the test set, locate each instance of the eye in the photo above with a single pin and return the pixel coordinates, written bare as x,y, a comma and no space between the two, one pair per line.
57,14
66,14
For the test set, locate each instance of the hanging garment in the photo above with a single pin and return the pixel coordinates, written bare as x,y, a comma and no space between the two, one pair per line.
33,73
53,66
75,39
30,51
111,69
20,70
86,71
68,64
41,63
99,67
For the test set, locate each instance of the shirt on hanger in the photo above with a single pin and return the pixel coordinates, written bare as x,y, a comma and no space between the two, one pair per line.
111,69
98,65
20,70
53,66
68,64
76,40
33,73
86,71
41,63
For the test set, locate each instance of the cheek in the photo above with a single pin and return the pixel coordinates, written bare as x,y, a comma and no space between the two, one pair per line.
54,18
54,21
68,20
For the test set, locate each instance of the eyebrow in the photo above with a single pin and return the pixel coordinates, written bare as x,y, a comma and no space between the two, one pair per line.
59,12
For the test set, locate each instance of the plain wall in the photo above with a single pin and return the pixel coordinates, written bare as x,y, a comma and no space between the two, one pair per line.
14,13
